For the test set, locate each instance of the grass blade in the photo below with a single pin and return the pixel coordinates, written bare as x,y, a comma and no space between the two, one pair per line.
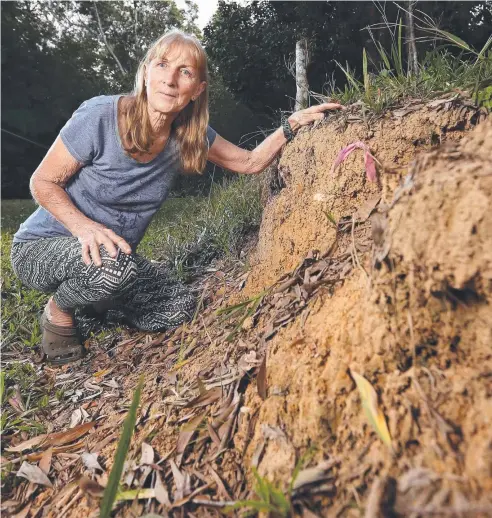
2,386
114,477
400,60
367,85
457,41
384,57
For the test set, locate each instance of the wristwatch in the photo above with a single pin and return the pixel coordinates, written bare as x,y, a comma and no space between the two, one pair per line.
288,133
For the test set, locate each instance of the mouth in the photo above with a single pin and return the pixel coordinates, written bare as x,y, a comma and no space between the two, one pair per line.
168,95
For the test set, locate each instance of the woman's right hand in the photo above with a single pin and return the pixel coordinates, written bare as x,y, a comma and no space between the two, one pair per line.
93,235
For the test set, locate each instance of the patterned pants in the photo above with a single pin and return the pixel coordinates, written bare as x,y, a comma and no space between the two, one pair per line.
136,292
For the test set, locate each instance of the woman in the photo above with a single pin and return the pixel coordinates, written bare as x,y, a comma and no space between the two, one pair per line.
103,179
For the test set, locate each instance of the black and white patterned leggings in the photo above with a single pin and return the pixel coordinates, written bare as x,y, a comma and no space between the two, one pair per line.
140,293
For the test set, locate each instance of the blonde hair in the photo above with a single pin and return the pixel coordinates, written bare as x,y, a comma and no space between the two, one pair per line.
190,126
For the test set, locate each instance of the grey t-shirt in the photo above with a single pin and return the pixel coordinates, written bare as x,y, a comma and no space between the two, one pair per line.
111,188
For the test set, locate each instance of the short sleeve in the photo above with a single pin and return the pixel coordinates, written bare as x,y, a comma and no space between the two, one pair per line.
211,134
81,132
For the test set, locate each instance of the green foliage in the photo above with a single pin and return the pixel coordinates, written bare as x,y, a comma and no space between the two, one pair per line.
439,72
271,499
111,490
253,43
241,311
187,233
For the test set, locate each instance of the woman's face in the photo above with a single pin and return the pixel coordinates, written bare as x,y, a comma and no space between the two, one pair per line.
172,81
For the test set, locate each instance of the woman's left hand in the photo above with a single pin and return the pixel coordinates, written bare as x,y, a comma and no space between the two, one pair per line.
311,114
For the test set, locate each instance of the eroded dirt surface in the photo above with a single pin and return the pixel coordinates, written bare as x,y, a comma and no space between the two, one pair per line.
416,320
398,290
294,220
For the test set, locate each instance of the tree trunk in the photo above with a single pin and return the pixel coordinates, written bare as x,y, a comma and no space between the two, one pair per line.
106,42
302,59
413,64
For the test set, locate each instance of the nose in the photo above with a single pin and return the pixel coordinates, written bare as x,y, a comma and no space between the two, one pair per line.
170,77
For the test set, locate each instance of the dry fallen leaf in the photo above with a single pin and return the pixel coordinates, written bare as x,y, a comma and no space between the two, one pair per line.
45,461
161,493
33,474
374,414
204,399
261,381
185,435
181,480
76,417
90,461
147,454
53,439
366,208
314,474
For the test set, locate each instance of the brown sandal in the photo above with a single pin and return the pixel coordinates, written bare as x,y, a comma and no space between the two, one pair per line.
60,344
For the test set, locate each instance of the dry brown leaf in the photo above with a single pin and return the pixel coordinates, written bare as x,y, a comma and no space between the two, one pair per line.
247,361
24,512
185,436
182,482
161,493
314,475
213,434
33,474
53,439
90,461
27,445
45,461
222,490
32,457
207,398
147,454
261,380
365,210
76,417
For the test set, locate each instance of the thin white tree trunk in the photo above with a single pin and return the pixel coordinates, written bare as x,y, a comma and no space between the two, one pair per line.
302,59
413,64
106,42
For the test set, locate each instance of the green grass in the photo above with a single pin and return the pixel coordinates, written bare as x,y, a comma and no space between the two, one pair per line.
386,84
189,232
14,212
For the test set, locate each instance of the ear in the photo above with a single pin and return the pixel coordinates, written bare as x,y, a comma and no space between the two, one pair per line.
201,87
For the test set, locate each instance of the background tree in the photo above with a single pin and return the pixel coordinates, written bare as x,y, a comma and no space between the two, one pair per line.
251,44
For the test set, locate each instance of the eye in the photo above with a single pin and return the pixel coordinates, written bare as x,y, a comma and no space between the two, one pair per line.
186,72
162,64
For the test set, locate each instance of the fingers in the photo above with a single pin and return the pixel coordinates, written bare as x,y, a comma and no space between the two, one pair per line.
119,241
326,106
108,245
96,256
85,254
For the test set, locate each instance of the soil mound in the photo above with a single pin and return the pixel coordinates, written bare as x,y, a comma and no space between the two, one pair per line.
414,317
294,220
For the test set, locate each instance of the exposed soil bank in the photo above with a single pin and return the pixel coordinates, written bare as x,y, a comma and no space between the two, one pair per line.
294,221
414,318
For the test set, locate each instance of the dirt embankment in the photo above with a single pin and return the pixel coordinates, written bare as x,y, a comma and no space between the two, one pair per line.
414,317
294,220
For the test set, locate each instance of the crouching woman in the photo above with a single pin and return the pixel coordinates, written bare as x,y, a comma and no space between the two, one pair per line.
106,175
